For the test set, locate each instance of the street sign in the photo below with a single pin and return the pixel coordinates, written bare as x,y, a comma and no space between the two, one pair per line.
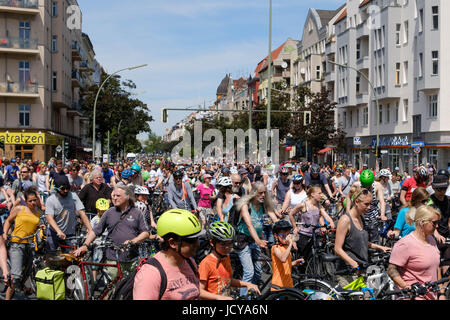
417,144
58,148
417,150
356,141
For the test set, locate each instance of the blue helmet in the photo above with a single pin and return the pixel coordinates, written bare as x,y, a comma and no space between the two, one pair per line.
126,174
136,167
298,177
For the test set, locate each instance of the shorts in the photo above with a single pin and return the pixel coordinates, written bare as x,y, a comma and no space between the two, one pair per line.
205,212
20,255
97,257
125,267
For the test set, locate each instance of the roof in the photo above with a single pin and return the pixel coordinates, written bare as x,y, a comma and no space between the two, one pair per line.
223,86
237,84
326,15
275,55
341,17
364,3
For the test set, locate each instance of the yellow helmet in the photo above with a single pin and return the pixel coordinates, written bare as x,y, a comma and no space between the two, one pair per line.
180,222
102,204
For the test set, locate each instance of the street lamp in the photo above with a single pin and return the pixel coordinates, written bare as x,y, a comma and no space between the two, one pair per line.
376,101
96,98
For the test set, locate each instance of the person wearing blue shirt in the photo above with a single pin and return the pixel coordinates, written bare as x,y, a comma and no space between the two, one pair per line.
107,173
419,198
11,171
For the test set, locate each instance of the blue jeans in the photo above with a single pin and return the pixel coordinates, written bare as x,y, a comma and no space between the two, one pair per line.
251,266
268,235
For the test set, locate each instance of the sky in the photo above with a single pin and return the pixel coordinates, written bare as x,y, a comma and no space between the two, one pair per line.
189,45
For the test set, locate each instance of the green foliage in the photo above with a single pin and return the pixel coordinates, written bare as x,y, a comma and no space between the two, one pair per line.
118,113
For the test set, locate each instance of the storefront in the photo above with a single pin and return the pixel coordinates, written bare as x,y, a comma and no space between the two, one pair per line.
32,145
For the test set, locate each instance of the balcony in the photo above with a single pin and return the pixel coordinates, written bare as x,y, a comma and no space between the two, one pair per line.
362,98
363,63
362,30
286,73
84,66
76,51
76,79
18,45
20,6
330,76
75,109
19,89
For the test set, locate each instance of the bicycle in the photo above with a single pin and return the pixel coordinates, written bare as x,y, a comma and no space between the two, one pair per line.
416,290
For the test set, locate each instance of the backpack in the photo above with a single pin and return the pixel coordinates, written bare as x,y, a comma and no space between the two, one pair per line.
124,288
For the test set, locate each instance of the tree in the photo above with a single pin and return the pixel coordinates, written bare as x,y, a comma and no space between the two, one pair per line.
117,113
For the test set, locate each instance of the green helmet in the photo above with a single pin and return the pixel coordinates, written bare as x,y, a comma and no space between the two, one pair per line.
367,178
158,162
221,231
145,175
180,222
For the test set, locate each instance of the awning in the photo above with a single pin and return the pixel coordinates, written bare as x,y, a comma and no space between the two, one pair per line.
324,150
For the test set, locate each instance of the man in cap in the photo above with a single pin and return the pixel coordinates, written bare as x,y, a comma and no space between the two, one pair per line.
61,212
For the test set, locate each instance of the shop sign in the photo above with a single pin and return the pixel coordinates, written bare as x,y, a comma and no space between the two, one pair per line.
22,138
396,141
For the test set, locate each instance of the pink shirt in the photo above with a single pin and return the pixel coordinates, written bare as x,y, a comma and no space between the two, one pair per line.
182,283
204,193
417,261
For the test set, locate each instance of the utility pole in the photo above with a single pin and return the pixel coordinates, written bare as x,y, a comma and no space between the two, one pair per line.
269,67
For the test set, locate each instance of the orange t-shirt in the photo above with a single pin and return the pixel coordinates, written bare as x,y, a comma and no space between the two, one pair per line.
281,272
218,279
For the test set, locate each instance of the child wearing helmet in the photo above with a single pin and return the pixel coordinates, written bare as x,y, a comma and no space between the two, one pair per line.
281,255
102,205
419,179
216,273
180,231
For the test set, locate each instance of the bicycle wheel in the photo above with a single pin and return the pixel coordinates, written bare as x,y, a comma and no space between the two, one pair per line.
286,295
317,289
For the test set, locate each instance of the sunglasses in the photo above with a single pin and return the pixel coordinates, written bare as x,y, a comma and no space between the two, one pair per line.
440,189
24,171
435,223
281,235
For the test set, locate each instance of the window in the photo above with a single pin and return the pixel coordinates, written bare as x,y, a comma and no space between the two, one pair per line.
24,115
55,43
394,158
54,9
358,49
405,110
365,116
318,76
435,14
388,113
398,27
396,113
435,62
397,74
358,84
380,116
420,20
357,118
433,156
351,119
433,106
417,126
405,72
420,65
54,87
344,122
405,32
24,75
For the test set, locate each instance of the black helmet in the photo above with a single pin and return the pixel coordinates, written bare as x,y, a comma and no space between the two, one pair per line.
281,225
178,174
315,168
443,172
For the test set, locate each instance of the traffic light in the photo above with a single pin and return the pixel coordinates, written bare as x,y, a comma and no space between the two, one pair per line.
66,145
165,115
307,118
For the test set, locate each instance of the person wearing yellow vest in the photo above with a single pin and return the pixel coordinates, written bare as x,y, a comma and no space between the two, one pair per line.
26,222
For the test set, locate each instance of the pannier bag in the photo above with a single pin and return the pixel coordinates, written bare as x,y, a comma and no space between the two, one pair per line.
50,285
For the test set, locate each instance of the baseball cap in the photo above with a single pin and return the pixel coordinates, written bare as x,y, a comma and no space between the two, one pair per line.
242,171
440,181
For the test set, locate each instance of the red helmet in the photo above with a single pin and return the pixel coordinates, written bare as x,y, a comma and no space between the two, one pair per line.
284,170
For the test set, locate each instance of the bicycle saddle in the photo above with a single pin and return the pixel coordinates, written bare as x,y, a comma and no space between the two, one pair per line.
329,257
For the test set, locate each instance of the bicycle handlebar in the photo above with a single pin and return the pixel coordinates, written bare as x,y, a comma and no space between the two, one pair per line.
418,289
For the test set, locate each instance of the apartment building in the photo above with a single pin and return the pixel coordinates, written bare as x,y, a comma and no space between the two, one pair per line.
44,63
399,46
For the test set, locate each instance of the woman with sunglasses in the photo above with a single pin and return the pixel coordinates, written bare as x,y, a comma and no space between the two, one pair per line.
419,197
415,258
352,240
225,198
295,195
26,221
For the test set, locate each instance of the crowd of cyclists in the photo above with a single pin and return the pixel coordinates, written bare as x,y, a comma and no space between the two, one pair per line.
251,211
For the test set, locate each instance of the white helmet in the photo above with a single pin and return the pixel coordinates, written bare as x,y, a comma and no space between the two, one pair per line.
224,182
141,190
141,206
385,173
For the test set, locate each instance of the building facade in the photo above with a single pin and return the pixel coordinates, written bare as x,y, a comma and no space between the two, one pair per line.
44,63
399,46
